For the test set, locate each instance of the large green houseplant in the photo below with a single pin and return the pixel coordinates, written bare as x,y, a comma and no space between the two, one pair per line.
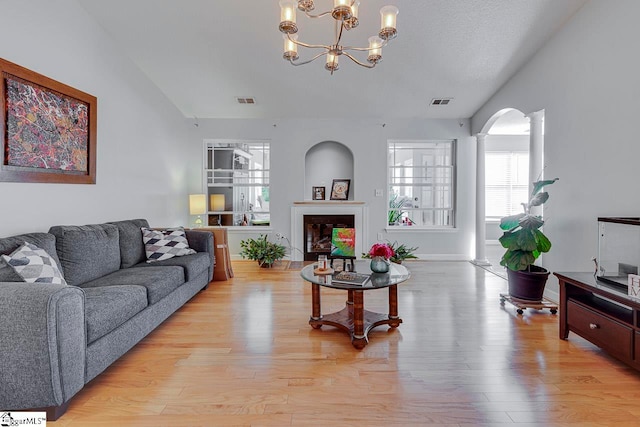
262,250
524,242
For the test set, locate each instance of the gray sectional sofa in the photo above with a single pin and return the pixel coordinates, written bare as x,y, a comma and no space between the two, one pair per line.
56,338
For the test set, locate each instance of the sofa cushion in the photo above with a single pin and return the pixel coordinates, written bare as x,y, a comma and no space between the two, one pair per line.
44,241
193,264
108,307
34,265
165,244
87,252
131,245
159,281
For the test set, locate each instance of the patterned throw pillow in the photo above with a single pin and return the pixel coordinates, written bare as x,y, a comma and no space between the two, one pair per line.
161,245
34,265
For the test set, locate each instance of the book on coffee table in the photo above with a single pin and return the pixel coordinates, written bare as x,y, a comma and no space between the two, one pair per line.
350,278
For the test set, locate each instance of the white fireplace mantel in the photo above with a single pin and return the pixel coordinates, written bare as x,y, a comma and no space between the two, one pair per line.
359,211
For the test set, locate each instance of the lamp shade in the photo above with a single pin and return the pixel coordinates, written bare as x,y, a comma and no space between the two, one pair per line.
217,202
197,204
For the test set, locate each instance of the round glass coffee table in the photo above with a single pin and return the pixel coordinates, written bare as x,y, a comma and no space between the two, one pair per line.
354,319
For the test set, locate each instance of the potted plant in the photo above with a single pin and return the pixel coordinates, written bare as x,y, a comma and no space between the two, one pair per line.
261,250
524,242
396,203
402,252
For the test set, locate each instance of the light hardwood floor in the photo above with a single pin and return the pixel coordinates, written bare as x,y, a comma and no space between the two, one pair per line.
242,353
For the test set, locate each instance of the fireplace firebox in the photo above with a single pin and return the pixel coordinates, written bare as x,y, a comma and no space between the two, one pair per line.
318,230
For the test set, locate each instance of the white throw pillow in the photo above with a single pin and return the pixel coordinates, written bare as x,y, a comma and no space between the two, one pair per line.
34,265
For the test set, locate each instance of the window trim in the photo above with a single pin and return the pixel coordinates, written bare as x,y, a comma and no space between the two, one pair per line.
265,182
454,184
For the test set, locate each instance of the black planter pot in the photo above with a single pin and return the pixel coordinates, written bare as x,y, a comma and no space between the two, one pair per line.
528,285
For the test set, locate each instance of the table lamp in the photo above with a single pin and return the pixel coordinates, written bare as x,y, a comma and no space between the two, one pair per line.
197,206
217,203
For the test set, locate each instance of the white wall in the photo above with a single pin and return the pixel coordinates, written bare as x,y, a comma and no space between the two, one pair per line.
586,80
367,140
140,171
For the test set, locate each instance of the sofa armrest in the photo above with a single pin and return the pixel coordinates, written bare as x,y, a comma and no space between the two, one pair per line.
203,241
43,346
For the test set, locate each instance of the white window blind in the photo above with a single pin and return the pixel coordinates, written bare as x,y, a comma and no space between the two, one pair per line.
506,183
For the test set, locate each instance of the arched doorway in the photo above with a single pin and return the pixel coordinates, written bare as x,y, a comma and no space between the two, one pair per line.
509,160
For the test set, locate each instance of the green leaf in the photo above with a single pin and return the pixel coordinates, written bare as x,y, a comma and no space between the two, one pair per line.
527,240
539,199
517,260
543,243
510,222
531,222
509,240
538,185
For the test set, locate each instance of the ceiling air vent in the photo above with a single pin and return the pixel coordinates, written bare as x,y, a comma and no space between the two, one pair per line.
247,100
441,101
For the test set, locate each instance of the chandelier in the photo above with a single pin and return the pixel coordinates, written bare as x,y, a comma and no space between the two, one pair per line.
345,15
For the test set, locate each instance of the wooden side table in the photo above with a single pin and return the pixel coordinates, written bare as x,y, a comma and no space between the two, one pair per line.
222,270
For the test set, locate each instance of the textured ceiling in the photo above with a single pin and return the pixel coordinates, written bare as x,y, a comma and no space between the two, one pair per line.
203,54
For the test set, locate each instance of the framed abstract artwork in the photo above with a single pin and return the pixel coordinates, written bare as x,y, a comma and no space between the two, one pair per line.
340,189
48,129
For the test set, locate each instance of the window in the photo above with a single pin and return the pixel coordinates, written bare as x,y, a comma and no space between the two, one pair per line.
421,183
506,183
237,182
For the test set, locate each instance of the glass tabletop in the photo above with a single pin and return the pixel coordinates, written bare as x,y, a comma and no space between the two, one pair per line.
397,274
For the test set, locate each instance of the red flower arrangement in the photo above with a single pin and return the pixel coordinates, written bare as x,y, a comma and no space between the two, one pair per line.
381,249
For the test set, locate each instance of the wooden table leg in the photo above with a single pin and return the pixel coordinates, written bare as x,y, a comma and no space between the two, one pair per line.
359,339
564,325
316,316
393,306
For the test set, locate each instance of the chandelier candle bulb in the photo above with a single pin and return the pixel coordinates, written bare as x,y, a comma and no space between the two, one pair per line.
290,48
341,10
388,25
332,62
375,49
288,16
353,21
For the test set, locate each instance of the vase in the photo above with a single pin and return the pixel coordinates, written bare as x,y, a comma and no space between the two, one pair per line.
379,264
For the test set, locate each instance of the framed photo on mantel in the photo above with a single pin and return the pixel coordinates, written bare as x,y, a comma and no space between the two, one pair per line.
318,193
340,189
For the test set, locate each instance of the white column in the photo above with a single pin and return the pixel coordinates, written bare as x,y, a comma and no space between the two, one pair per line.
536,161
481,232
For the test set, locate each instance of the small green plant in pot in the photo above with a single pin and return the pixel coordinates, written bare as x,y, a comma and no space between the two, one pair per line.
400,252
262,250
524,242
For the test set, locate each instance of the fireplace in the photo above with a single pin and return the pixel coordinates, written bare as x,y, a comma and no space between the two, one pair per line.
318,231
356,210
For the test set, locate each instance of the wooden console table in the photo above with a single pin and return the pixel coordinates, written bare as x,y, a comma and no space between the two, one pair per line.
222,270
602,314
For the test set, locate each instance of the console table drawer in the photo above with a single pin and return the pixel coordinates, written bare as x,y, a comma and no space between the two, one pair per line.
603,331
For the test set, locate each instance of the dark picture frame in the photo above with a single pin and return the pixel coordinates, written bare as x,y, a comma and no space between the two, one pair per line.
340,189
49,129
318,193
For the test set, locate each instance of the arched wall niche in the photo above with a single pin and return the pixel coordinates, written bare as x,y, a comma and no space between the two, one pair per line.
324,162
